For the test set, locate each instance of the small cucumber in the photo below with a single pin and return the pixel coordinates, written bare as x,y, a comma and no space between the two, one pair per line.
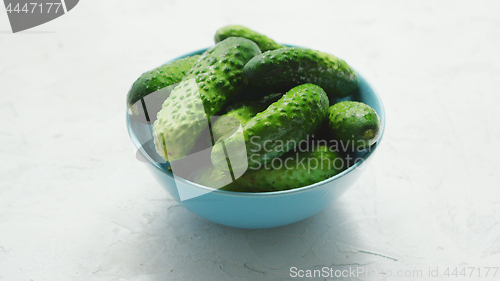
354,124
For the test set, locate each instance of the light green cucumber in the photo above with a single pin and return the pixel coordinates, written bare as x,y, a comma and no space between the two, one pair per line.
240,113
209,176
215,78
264,42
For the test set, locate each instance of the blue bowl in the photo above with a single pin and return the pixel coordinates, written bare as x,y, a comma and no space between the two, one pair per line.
255,210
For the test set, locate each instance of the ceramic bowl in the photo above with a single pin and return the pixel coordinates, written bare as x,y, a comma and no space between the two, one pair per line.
255,210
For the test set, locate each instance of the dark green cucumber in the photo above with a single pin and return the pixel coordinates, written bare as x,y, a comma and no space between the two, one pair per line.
292,170
354,124
283,69
163,76
275,131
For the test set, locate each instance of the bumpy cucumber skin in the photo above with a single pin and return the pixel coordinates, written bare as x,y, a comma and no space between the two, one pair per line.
163,76
354,124
295,169
238,114
283,69
299,113
230,121
314,166
215,78
219,71
211,177
265,43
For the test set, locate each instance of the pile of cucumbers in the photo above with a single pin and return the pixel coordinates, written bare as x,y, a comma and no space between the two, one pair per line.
271,117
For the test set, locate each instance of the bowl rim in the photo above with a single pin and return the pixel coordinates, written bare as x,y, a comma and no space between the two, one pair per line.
270,193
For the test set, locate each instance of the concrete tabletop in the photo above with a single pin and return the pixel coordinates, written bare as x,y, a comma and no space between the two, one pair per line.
75,204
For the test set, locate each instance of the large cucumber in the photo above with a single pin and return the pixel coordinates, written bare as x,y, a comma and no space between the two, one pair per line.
273,132
215,78
283,69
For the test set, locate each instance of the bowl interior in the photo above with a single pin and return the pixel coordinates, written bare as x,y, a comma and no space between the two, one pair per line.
140,125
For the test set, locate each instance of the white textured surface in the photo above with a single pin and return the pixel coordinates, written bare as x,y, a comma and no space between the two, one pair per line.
76,205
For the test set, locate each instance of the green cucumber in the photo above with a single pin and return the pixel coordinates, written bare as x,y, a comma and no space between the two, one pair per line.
273,132
215,78
283,69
